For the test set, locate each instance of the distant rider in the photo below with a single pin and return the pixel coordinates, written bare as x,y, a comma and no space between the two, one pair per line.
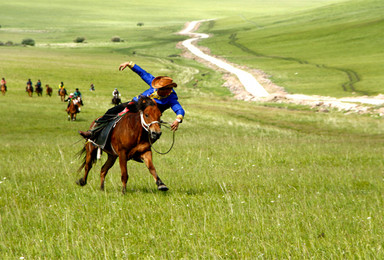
29,85
61,86
4,83
38,85
77,93
116,93
69,99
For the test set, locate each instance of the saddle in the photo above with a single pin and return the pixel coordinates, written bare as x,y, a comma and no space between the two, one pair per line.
105,132
106,123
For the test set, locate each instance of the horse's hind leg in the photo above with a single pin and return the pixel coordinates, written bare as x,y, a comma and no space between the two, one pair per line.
104,170
90,157
147,157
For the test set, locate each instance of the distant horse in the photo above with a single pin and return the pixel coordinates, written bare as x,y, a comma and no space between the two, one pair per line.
3,89
116,100
130,139
62,94
49,90
39,90
29,89
74,108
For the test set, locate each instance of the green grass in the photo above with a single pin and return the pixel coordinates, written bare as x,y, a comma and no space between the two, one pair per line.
325,51
246,179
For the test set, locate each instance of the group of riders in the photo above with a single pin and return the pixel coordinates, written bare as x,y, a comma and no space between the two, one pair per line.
38,87
161,90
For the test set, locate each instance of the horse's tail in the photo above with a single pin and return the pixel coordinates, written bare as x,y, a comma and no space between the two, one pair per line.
83,152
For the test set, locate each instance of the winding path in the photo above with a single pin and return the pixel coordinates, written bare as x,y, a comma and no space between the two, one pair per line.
254,87
248,81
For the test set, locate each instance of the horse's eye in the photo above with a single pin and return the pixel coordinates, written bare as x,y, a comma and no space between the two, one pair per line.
146,115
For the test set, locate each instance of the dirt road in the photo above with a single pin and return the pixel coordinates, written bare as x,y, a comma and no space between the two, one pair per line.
254,85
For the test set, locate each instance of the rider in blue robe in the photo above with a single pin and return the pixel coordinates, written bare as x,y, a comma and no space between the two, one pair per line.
161,89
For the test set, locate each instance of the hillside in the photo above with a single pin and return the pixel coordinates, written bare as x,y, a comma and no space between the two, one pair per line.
334,50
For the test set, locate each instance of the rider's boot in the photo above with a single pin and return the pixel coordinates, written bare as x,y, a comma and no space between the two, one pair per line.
86,134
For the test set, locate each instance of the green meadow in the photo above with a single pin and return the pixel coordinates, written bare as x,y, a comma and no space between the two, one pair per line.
334,50
247,180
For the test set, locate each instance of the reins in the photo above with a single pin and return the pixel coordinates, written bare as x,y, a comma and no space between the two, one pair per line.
146,127
167,125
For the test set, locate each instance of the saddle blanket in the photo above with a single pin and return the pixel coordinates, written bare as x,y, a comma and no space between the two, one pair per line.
105,133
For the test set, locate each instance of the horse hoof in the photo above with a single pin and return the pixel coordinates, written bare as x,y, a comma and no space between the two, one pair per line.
162,187
81,182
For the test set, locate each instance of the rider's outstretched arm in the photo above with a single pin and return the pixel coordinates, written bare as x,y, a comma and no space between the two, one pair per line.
147,77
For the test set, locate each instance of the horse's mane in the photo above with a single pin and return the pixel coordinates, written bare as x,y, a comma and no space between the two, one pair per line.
144,102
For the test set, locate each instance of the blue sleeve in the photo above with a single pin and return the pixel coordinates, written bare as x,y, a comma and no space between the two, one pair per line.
147,77
176,107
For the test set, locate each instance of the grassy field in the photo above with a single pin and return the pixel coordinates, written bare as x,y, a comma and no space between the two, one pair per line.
325,51
247,180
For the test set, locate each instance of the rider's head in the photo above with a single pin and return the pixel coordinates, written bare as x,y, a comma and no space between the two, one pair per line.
164,85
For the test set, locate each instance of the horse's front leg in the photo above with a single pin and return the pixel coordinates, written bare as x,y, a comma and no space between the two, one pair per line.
147,158
124,171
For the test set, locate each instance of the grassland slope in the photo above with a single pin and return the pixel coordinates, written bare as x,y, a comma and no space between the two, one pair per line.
333,50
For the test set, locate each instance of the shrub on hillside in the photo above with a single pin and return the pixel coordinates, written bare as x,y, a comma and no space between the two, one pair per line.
115,39
28,41
79,39
9,43
140,24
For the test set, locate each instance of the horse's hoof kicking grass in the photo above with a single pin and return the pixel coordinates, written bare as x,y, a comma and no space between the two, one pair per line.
162,188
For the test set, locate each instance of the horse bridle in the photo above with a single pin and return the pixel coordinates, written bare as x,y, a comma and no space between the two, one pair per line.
146,127
144,124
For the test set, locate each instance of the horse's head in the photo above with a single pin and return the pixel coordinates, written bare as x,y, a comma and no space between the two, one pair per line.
78,101
150,117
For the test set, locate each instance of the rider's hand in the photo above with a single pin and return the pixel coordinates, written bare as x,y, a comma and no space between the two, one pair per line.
129,64
175,125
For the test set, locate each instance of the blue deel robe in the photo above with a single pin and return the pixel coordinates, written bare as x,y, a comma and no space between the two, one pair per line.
163,103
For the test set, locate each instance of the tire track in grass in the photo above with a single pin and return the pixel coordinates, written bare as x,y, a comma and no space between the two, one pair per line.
348,86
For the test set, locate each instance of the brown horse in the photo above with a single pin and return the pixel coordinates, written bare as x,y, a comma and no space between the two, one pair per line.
74,108
62,94
3,89
39,90
29,89
130,139
49,90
